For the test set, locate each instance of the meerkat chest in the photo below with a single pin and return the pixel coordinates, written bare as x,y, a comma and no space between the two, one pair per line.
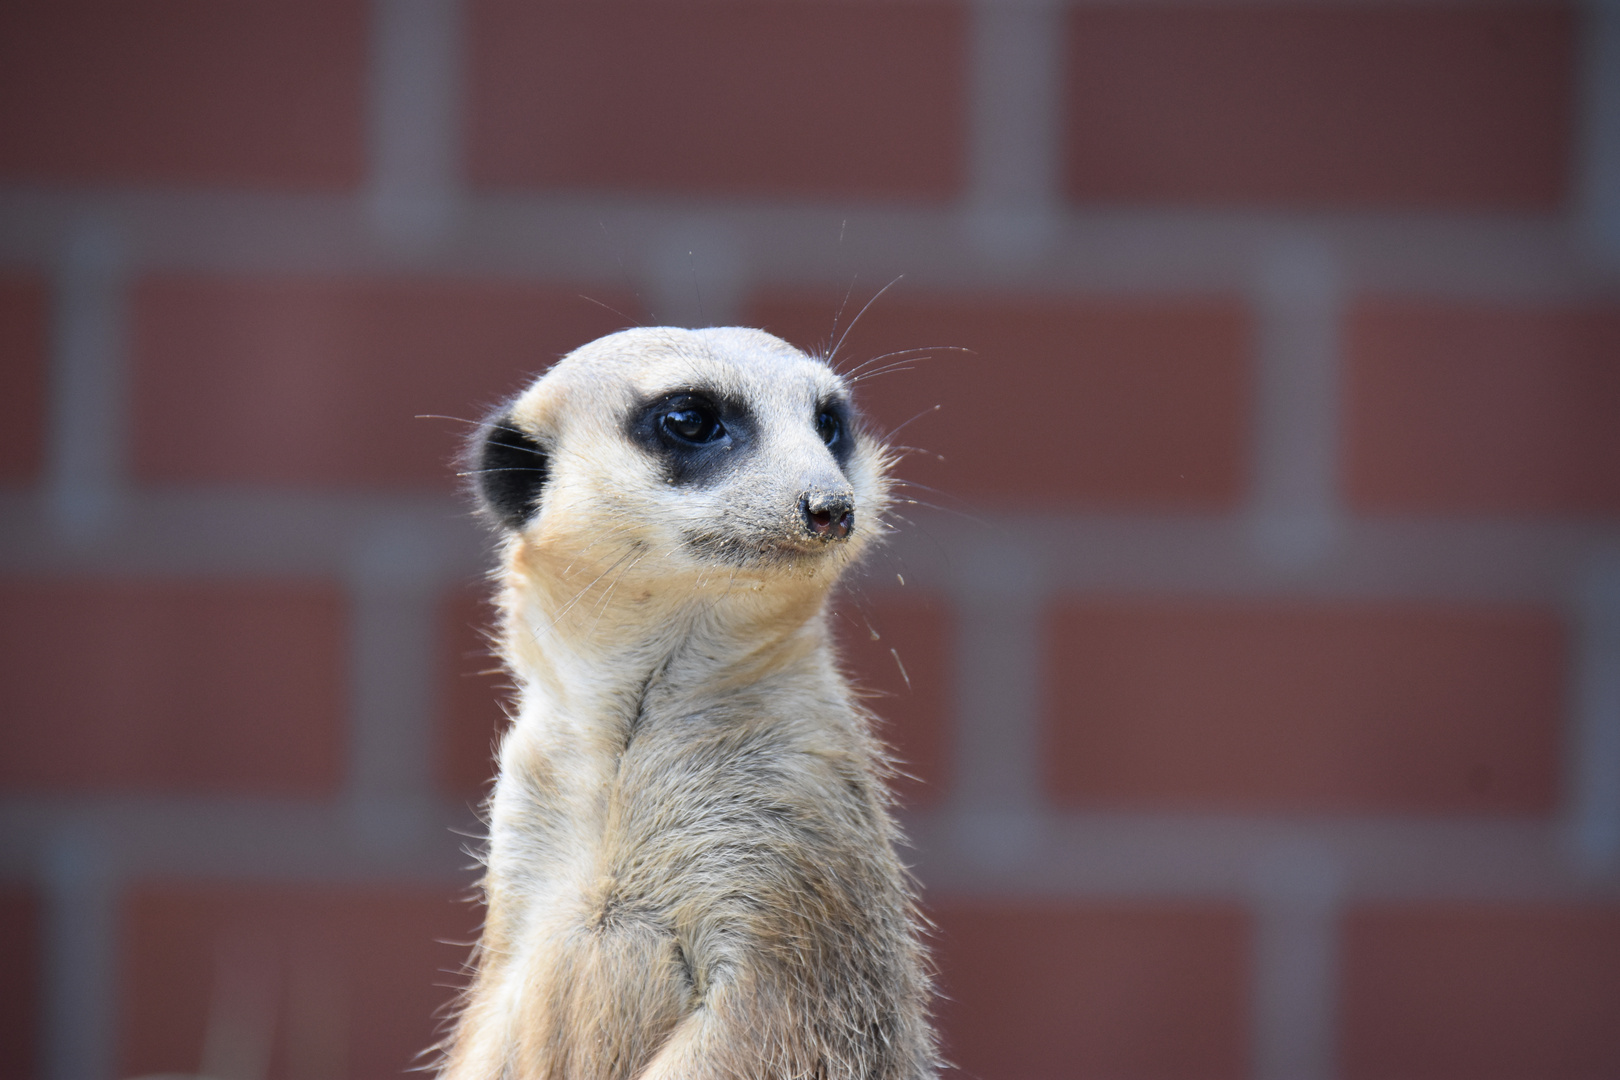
551,799
640,804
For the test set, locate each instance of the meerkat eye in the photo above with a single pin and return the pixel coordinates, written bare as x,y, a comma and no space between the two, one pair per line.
828,427
692,422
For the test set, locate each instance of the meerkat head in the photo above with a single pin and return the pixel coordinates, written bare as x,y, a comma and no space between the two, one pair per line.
685,451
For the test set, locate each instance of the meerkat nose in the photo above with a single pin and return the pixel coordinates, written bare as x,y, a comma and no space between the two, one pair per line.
829,517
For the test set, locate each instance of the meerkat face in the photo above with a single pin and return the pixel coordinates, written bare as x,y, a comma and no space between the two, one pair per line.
686,449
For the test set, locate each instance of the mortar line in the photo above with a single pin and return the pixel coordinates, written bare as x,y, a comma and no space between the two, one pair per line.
1593,753
1295,964
1015,73
81,1007
1294,500
1599,154
415,120
996,797
87,453
396,581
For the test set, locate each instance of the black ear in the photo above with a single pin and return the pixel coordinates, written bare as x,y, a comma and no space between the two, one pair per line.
510,469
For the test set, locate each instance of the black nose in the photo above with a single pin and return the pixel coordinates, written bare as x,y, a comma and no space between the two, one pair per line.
828,517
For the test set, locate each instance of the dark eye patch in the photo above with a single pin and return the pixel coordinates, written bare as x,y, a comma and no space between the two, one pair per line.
832,423
694,433
692,422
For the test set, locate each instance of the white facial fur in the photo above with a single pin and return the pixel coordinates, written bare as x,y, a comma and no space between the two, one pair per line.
616,489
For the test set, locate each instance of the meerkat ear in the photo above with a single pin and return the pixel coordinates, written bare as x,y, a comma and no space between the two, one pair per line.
509,468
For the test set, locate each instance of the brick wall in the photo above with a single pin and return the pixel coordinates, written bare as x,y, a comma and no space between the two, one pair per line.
1251,637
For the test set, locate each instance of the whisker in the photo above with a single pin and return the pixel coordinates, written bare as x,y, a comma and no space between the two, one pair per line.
567,570
478,423
509,468
919,416
833,356
905,365
864,364
566,608
609,307
611,534
909,501
607,595
909,352
438,416
905,452
976,519
914,484
839,314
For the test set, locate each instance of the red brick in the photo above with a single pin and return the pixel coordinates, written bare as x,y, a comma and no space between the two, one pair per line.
1061,403
1472,409
1256,706
1042,991
23,319
230,687
259,93
473,687
345,981
1366,105
898,652
1449,992
317,382
789,97
21,981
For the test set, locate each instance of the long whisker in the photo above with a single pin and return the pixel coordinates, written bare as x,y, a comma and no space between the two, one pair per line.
896,559
607,595
839,314
893,352
976,519
566,608
833,356
923,487
856,370
901,453
475,423
902,366
919,416
618,257
509,468
609,307
611,534
604,538
437,416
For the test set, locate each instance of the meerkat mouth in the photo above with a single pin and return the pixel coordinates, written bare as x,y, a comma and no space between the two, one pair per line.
824,522
807,544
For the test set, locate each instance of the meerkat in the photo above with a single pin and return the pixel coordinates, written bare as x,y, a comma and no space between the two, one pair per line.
691,868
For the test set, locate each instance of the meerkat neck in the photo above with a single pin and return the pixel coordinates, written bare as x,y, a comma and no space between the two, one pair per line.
585,647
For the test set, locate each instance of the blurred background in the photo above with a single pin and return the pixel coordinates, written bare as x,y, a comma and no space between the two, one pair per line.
1258,610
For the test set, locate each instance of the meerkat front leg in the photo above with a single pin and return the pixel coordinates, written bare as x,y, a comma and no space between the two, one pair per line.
729,1039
